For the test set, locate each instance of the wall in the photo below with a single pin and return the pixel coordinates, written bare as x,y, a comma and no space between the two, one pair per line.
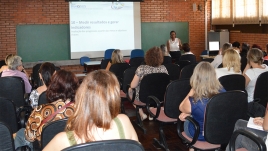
16,12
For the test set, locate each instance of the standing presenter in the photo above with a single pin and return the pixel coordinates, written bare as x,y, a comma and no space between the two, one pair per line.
173,46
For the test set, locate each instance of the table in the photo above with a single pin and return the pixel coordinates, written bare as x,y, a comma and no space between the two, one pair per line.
92,65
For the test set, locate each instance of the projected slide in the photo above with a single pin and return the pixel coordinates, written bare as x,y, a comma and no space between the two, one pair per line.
97,26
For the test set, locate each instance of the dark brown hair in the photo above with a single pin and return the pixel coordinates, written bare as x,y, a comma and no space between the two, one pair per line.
154,57
63,86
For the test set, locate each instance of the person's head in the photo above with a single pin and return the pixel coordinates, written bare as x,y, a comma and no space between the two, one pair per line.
63,86
236,45
204,81
163,49
231,59
7,57
154,57
267,47
172,34
245,47
117,56
186,47
256,46
46,71
255,55
97,103
14,63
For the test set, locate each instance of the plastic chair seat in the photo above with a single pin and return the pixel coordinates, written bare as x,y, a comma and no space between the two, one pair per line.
139,103
123,94
241,149
204,145
162,116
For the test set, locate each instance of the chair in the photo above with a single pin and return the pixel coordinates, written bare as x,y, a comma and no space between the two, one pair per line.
183,63
137,61
136,53
189,57
13,88
111,145
42,98
108,54
118,69
2,62
175,93
167,60
174,71
153,85
265,62
208,59
187,71
36,82
233,82
204,52
82,62
259,142
51,130
261,89
104,63
6,139
222,112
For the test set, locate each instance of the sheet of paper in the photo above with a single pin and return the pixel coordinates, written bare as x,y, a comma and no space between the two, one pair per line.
252,125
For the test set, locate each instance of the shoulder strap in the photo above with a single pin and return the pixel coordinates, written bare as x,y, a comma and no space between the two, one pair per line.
54,114
71,139
120,128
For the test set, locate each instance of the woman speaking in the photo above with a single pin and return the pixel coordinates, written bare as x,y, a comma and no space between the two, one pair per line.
173,46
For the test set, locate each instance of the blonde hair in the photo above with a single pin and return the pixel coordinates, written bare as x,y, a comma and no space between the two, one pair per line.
117,57
97,103
226,46
204,81
255,55
231,59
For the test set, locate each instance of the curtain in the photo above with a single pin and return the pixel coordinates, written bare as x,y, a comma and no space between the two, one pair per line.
221,12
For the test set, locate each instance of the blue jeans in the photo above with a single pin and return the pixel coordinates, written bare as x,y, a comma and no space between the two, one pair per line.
21,141
244,142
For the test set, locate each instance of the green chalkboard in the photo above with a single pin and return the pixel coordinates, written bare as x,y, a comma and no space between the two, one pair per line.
43,42
52,42
157,33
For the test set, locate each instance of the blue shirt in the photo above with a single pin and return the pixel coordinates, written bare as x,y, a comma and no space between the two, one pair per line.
198,110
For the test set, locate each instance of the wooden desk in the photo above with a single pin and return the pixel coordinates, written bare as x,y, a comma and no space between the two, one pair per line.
92,65
207,56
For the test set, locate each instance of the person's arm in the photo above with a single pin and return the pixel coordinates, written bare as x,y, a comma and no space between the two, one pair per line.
135,81
180,44
59,142
168,47
108,66
129,130
185,105
265,121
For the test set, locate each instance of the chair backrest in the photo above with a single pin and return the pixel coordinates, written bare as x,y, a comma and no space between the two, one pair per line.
175,93
104,63
187,71
8,114
111,145
208,59
204,52
183,63
137,61
154,84
2,62
167,60
136,53
261,89
174,71
42,98
6,139
118,69
222,112
84,59
233,82
128,77
108,53
35,78
51,130
188,57
13,88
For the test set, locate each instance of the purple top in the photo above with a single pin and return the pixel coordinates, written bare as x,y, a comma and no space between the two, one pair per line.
17,73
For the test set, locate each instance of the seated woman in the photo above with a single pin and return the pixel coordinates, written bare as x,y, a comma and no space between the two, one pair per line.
231,63
16,69
45,73
266,50
204,86
253,69
167,58
218,59
97,114
243,54
188,55
117,57
5,67
60,95
153,60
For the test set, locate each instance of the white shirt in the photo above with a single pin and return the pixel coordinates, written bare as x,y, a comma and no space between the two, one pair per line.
186,53
253,74
174,45
224,71
217,61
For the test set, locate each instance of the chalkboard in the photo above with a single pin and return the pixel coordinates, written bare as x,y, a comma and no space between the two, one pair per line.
43,42
52,42
157,33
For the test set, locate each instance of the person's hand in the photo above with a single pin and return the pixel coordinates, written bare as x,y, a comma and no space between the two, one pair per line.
183,116
258,121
